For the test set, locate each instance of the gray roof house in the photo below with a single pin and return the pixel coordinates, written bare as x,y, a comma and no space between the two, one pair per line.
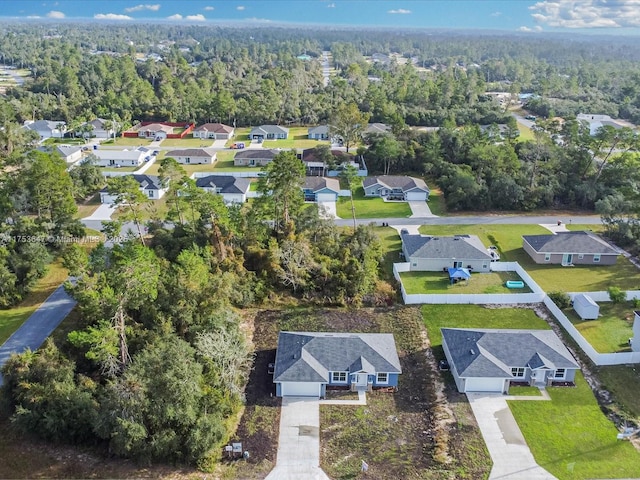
320,132
307,362
436,254
47,128
101,128
486,360
254,157
596,122
396,187
570,248
269,132
374,128
321,189
232,189
69,153
150,185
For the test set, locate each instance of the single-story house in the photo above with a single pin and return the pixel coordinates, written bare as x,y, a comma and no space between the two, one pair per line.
307,362
122,158
596,122
69,153
635,340
269,132
232,189
150,185
320,132
47,128
316,167
585,307
101,128
254,157
217,131
396,187
377,128
436,254
570,248
155,131
321,189
191,156
488,360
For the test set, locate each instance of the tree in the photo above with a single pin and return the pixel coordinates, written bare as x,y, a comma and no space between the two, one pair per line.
350,174
348,124
128,195
174,176
616,295
86,178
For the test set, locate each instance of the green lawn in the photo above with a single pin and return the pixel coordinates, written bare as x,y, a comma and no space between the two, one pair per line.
524,391
227,166
436,202
581,278
121,169
187,142
624,382
371,207
154,209
392,246
572,439
526,133
128,142
64,141
240,135
298,138
85,209
438,283
611,331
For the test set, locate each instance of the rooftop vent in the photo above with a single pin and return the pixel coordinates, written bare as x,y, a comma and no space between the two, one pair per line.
472,351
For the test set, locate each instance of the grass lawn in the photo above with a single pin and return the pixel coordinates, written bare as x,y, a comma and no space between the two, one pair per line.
187,142
524,391
611,331
371,207
129,142
623,381
240,135
298,138
64,141
581,278
227,166
392,246
189,169
154,209
526,133
438,282
12,318
86,208
572,439
436,201
121,169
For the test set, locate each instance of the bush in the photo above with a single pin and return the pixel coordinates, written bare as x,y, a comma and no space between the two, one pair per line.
617,295
561,299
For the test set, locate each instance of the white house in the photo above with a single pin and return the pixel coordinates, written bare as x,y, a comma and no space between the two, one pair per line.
47,128
396,187
101,128
122,158
597,121
150,185
585,307
69,153
232,189
191,156
426,253
635,341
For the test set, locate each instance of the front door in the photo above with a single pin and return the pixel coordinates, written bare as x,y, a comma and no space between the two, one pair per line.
539,376
361,379
567,258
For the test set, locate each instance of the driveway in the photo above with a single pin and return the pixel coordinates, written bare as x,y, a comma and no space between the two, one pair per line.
512,459
38,326
299,442
420,209
103,212
328,209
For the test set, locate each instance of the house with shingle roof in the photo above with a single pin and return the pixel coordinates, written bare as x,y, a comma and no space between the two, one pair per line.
596,122
257,157
47,128
426,253
396,187
377,128
321,132
321,189
217,131
192,156
269,132
309,362
488,360
232,189
570,248
150,185
155,130
69,153
119,158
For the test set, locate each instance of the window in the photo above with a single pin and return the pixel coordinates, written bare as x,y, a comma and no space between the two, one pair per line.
559,373
518,372
382,378
547,257
414,264
188,160
596,258
338,377
580,256
150,193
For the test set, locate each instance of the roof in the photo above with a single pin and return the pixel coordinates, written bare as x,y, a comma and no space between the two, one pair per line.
256,153
50,125
584,300
493,353
396,181
192,152
214,127
322,129
118,154
570,242
459,273
97,123
63,150
147,182
156,127
226,183
377,128
264,129
463,247
318,183
310,356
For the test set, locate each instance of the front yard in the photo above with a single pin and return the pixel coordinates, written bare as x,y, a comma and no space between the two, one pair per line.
438,283
129,142
187,142
298,138
610,333
371,207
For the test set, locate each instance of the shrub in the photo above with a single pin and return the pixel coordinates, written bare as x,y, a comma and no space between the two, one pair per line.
561,299
617,295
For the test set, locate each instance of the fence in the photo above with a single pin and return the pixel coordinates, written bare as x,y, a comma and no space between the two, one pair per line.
604,296
254,174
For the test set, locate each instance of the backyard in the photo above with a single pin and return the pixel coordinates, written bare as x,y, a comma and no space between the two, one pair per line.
298,138
611,331
438,283
371,207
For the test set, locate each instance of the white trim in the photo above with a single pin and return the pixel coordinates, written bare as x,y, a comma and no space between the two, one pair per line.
564,374
380,382
334,380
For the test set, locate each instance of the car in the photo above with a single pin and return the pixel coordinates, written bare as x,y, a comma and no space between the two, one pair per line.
86,149
404,231
530,117
155,153
147,158
271,368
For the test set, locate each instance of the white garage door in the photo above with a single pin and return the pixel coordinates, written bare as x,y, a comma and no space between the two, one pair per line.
413,196
300,389
326,197
484,385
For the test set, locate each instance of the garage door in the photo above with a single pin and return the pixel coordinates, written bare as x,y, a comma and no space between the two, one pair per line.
300,389
326,197
413,196
484,385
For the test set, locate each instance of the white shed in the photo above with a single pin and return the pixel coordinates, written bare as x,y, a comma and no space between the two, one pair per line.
585,307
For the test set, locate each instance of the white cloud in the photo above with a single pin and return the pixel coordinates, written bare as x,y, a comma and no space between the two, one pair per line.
331,5
587,13
496,14
177,16
400,11
240,7
208,8
111,16
55,14
32,17
196,18
140,7
537,28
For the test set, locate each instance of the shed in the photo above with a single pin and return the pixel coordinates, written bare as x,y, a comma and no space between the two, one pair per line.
585,307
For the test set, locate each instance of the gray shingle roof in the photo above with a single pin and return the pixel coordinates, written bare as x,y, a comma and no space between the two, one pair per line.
570,242
318,183
320,129
257,153
310,356
492,353
264,129
193,152
225,183
150,182
396,181
214,127
467,247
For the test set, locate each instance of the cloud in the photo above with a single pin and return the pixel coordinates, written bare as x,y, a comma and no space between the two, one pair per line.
196,18
400,11
32,17
496,14
587,13
331,5
537,28
140,7
55,14
177,16
240,7
111,16
208,8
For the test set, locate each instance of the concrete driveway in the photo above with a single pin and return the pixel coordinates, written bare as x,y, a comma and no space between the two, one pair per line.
328,210
299,442
512,459
103,212
420,209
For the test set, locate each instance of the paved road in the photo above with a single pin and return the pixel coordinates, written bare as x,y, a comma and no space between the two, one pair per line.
39,325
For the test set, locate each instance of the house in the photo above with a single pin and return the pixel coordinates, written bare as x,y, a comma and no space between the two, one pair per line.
232,189
318,133
69,153
309,362
269,132
122,158
101,128
596,122
436,254
569,248
321,189
217,131
585,307
317,167
156,131
254,158
150,185
47,128
635,340
192,156
485,360
394,187
377,128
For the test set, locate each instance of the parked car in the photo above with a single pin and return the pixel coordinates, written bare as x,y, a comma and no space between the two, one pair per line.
530,117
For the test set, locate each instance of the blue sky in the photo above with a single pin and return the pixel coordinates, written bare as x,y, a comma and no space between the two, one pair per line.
584,16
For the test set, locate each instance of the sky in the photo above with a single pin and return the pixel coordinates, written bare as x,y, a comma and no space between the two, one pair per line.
581,16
